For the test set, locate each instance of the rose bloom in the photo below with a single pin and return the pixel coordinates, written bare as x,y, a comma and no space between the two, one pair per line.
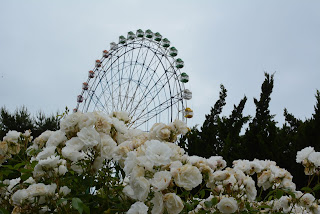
12,136
304,153
227,205
173,203
181,126
158,152
138,208
160,131
107,146
188,177
161,180
89,136
140,187
56,138
157,201
307,199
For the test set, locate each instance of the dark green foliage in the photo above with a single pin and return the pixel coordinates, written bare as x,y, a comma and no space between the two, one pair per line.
263,139
260,137
21,120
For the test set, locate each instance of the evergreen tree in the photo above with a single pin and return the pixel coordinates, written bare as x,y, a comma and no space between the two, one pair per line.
260,138
21,120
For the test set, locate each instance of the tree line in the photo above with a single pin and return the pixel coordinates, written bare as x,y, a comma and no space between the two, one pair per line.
22,120
262,139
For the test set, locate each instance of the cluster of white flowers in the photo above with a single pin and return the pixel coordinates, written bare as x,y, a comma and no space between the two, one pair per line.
156,170
269,174
310,159
12,143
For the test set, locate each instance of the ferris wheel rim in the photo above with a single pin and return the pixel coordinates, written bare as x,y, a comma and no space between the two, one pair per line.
163,59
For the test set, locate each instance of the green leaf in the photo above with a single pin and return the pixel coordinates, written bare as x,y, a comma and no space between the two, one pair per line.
34,163
306,189
3,211
202,193
86,209
17,166
214,201
6,172
77,204
25,176
208,204
279,193
23,170
316,188
7,166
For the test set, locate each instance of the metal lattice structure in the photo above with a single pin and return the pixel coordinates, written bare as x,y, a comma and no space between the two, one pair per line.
140,75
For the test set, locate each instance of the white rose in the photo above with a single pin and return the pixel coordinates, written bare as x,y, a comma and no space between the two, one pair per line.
161,180
121,115
37,189
19,196
56,138
173,203
158,207
138,208
130,162
12,136
86,120
178,152
160,131
307,199
304,153
12,184
227,205
89,136
62,170
72,154
181,126
216,162
129,192
107,146
43,138
49,162
103,122
119,125
64,190
140,187
70,122
76,143
158,152
47,152
174,166
188,177
314,158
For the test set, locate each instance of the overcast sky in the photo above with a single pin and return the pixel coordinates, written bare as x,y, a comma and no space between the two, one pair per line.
47,48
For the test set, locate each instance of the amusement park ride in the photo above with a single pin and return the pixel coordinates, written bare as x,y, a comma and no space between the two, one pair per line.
140,75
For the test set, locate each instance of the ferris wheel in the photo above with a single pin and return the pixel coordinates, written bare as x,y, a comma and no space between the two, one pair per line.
140,75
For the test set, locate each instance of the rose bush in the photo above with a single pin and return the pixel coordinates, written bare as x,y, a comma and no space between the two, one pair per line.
96,164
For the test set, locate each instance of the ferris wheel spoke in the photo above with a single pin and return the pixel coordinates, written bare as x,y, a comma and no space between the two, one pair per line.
130,77
140,78
145,93
162,87
162,107
154,71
